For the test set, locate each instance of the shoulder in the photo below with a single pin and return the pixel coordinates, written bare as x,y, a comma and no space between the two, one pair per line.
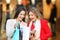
44,24
43,21
11,20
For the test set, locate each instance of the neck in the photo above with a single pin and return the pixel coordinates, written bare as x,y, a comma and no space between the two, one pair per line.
35,20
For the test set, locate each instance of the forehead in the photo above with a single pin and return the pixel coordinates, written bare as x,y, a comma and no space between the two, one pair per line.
31,13
22,12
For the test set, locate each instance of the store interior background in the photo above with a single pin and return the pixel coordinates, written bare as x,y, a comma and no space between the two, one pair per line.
46,15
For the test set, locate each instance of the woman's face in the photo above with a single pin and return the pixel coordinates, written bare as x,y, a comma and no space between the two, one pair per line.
21,15
32,16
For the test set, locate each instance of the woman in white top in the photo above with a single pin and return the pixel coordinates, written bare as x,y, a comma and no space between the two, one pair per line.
11,24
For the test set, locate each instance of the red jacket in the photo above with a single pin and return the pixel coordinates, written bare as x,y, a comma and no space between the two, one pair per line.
45,30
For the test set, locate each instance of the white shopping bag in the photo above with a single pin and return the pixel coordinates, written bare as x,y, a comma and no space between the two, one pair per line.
26,33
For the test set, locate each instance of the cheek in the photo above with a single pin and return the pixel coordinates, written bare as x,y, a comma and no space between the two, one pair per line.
19,16
31,17
22,16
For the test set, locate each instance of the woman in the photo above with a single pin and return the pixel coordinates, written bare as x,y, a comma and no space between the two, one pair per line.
12,24
39,29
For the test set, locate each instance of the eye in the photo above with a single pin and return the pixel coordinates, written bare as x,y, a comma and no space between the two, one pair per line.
20,14
30,15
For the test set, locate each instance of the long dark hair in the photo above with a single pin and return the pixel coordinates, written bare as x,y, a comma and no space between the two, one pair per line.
18,10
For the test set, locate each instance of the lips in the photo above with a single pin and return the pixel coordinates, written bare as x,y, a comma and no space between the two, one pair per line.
20,17
31,18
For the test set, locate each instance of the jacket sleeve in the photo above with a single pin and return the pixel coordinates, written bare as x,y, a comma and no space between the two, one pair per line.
46,30
9,28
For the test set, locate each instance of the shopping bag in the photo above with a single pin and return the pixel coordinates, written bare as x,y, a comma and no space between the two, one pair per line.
17,35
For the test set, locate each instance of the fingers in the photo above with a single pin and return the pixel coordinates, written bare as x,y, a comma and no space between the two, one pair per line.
15,26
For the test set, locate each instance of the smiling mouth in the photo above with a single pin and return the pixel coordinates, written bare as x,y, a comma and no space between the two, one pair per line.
31,19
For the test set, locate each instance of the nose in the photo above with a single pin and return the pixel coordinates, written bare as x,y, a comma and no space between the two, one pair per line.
22,16
30,16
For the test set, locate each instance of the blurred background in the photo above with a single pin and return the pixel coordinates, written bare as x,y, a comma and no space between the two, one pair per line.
49,9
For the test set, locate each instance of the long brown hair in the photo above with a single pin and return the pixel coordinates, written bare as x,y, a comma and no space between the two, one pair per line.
35,11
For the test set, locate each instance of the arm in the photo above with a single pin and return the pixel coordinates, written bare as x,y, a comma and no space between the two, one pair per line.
9,28
45,30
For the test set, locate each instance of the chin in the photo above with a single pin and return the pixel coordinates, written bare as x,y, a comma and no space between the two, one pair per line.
20,19
33,20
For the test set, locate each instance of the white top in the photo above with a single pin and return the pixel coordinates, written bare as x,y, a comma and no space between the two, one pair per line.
10,29
37,28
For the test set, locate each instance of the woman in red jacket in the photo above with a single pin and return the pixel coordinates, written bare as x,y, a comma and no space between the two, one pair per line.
39,29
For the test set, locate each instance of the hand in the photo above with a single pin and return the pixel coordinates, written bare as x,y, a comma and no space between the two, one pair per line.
33,32
32,36
14,25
